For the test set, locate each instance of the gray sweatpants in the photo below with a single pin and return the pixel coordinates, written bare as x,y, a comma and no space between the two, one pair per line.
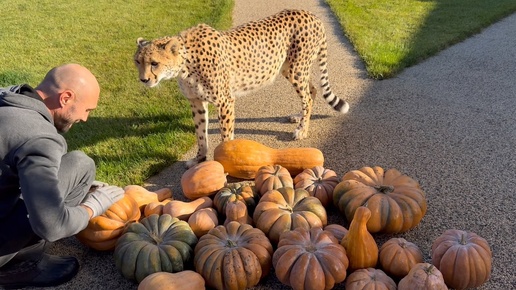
76,174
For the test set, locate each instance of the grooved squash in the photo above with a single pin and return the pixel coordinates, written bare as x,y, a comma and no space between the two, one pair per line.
242,158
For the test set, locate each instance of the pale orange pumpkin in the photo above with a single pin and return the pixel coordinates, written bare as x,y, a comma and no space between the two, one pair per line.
186,279
203,179
464,258
423,276
310,259
319,182
397,256
271,177
369,279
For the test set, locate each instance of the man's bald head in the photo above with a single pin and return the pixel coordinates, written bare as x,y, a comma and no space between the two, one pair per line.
70,92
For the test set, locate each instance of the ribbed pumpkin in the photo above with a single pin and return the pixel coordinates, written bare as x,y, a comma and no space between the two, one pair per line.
464,258
396,201
310,259
397,256
286,209
319,182
235,256
203,179
184,280
243,191
203,220
272,177
338,231
359,243
370,279
158,243
104,230
237,211
423,276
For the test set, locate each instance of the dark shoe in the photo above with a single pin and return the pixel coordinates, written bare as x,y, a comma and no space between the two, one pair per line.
49,271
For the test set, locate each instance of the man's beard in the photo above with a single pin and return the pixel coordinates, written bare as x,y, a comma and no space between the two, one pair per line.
65,122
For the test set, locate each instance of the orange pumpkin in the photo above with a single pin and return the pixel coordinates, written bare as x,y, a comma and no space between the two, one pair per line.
319,182
396,201
338,231
464,258
423,276
203,179
272,177
310,259
370,278
103,231
155,207
142,196
235,256
397,256
285,209
237,211
186,279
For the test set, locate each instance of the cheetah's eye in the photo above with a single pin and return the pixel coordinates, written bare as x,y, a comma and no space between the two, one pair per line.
153,63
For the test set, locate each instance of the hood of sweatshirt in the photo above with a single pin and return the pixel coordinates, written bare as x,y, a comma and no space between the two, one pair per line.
14,97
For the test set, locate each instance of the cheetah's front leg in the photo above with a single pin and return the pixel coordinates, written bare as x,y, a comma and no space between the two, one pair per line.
227,118
200,116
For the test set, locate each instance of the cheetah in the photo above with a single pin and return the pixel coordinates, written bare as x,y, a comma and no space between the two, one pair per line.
216,67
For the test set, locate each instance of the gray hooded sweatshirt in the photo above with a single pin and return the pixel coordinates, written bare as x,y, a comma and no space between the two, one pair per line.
30,156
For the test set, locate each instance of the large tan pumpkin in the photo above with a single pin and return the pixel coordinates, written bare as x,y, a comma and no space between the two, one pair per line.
286,209
103,231
370,279
203,179
242,158
396,201
319,182
310,259
397,256
423,276
233,257
464,258
184,280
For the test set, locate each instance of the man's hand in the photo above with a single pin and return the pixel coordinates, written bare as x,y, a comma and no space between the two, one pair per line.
102,198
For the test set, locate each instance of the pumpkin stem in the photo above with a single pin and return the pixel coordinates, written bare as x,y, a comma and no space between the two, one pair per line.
385,189
230,244
463,238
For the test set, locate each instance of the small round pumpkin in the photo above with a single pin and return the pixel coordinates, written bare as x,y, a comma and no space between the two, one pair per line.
423,276
338,231
236,256
272,177
397,256
396,201
203,179
103,231
203,220
158,243
310,259
237,211
243,191
319,182
186,279
464,258
370,278
286,209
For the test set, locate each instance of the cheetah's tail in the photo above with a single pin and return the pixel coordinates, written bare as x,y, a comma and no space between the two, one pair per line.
335,102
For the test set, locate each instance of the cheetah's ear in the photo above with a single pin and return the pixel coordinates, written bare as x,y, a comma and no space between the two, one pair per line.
141,42
173,45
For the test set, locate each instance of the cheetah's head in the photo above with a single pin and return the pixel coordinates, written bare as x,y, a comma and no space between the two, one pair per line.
159,59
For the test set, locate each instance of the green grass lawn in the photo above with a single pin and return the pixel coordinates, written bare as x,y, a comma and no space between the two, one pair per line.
135,131
390,35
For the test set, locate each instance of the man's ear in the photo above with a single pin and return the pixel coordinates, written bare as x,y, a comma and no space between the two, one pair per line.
66,97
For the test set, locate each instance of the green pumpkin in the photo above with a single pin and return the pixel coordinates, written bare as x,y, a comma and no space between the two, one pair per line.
158,243
243,191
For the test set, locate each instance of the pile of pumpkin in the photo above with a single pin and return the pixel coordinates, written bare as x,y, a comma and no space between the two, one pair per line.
231,235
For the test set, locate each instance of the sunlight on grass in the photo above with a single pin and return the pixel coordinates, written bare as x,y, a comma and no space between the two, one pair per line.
135,132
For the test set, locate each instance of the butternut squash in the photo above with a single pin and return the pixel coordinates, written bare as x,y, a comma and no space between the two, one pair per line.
203,179
242,158
184,209
360,245
203,220
155,207
142,196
